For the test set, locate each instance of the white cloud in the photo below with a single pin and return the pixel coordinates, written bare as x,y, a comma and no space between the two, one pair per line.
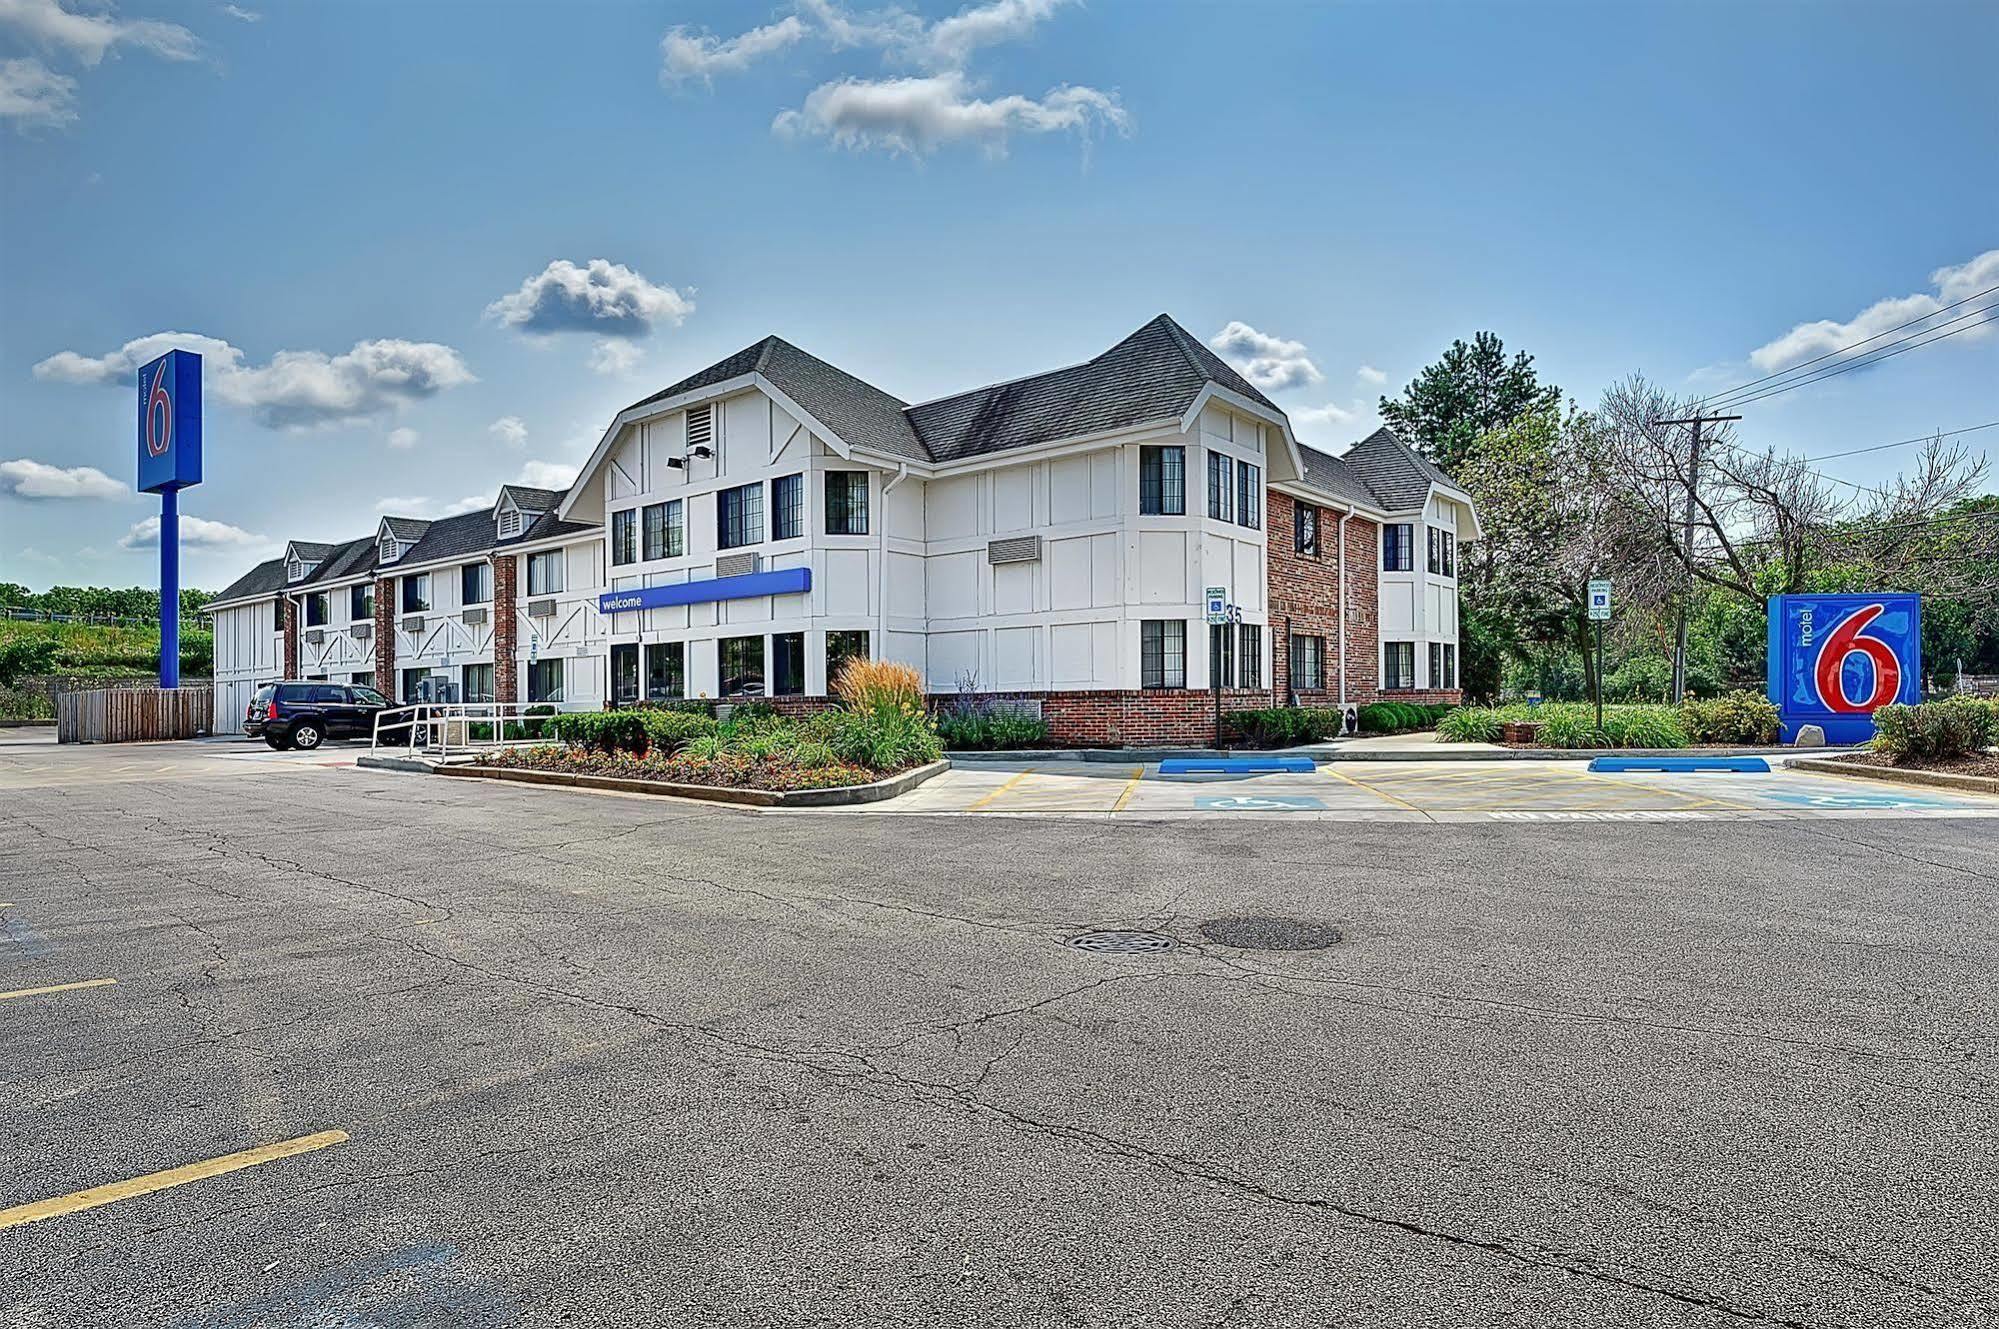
615,357
1808,341
1370,375
33,94
1332,413
1330,425
195,533
510,430
395,506
602,297
246,15
87,36
294,389
685,55
26,478
918,115
950,42
1272,363
548,475
403,437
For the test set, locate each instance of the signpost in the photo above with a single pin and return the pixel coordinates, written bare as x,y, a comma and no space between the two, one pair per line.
170,461
1599,613
1219,608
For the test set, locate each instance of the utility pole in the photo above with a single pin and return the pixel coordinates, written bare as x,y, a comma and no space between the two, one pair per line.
1696,420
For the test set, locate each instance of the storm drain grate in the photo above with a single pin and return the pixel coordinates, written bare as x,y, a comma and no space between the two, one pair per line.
1121,942
1269,934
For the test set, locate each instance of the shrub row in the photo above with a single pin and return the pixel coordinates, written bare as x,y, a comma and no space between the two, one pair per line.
1740,718
967,728
1936,730
1284,726
1395,717
635,731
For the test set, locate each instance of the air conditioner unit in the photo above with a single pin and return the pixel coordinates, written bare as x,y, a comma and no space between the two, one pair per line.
475,616
738,565
314,636
541,609
413,623
362,631
1019,549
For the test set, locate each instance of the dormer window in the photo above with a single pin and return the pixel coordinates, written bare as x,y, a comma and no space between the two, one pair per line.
294,568
391,548
511,523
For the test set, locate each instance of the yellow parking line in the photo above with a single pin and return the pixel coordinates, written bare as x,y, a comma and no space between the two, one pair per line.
159,1181
974,807
59,987
1137,774
1334,771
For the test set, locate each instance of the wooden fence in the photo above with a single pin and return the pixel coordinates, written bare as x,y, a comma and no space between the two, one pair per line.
133,715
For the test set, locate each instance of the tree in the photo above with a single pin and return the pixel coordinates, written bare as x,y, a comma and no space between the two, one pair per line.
1470,390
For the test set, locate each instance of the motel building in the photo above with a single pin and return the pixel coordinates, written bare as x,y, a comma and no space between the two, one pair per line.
1047,540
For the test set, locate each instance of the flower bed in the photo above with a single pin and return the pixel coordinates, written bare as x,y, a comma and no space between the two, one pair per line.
1741,719
879,730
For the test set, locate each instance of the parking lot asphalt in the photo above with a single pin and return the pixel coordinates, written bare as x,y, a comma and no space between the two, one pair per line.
292,1043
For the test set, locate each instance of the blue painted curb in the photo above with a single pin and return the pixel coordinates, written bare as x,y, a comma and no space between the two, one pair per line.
1682,765
1234,765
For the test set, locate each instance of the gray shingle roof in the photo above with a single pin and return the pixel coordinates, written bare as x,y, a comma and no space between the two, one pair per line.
1399,476
311,552
1331,475
267,578
356,558
406,528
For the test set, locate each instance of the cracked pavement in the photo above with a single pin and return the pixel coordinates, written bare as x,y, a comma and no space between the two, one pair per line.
610,1060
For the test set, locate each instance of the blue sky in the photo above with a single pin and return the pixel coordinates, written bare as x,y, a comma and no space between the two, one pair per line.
382,218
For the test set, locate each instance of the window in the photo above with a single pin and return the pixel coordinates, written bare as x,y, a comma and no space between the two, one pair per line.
1450,664
1221,654
1221,489
361,602
1308,663
1162,648
787,507
739,516
665,531
1398,666
479,683
545,680
278,614
315,610
1397,547
1436,664
416,593
1450,554
1248,495
625,673
545,573
787,664
475,583
846,502
1162,482
510,524
1249,656
326,694
416,685
840,648
1435,564
742,666
666,671
1305,529
624,537
364,680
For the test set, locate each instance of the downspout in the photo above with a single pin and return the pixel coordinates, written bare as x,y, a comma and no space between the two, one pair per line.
881,572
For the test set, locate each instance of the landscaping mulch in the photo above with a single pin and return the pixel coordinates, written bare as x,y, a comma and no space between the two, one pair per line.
728,771
1985,764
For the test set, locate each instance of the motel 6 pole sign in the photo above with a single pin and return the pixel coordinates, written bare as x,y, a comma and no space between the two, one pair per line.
170,461
1836,659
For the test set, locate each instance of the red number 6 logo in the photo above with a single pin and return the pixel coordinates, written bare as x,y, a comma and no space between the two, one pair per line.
159,415
1843,641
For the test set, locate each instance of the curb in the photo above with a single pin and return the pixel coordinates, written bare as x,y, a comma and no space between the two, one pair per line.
759,798
1976,784
1325,753
27,724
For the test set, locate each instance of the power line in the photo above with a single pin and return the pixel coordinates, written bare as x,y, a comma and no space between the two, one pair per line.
1988,312
1903,443
1921,318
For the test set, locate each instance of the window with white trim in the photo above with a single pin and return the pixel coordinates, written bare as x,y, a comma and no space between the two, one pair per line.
1162,652
545,572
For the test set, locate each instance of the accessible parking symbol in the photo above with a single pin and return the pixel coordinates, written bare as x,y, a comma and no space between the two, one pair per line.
1258,803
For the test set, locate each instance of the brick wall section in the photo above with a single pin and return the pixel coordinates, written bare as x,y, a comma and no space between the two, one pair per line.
385,636
288,607
506,629
1306,590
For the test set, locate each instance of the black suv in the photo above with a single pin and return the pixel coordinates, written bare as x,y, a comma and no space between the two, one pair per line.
304,715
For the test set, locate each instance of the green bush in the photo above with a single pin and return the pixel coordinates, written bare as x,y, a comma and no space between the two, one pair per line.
1936,730
1643,727
1738,717
665,731
969,728
1470,724
1570,727
886,737
1284,726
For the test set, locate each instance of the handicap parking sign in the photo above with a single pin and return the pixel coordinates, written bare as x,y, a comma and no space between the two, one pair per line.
1258,803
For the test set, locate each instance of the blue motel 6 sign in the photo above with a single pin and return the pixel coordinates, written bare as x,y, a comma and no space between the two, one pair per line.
1836,659
170,461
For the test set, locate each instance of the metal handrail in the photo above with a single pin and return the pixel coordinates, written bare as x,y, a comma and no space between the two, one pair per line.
445,728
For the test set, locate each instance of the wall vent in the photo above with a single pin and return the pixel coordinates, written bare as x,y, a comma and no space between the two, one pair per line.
1019,549
510,524
541,609
472,617
362,631
414,623
738,565
701,426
